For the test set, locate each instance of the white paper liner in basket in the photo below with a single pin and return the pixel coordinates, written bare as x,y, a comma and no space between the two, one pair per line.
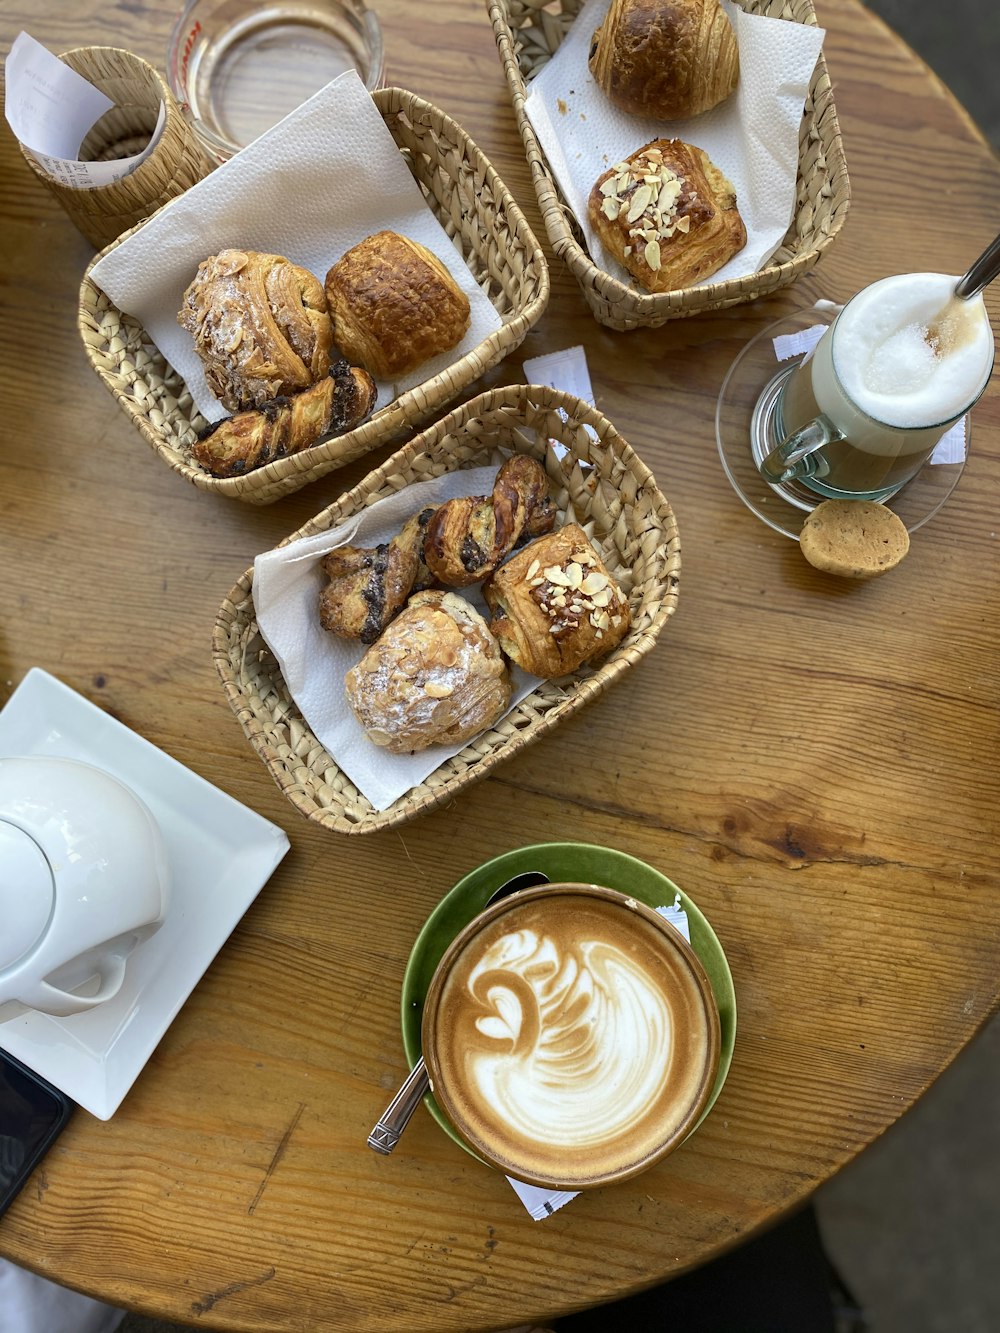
286,587
320,181
752,137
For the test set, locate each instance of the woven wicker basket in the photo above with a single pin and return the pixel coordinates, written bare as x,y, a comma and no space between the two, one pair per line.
528,32
175,164
487,227
616,500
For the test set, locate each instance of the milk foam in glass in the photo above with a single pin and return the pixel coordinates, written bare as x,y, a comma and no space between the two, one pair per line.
901,363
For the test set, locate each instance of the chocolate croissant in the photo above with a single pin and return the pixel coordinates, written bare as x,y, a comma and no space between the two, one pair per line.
667,214
670,59
287,425
260,326
556,605
394,305
368,586
468,538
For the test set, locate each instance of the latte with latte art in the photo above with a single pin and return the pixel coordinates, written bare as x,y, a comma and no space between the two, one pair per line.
571,1035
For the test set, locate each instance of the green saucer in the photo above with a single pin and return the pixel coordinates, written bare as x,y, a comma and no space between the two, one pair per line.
563,862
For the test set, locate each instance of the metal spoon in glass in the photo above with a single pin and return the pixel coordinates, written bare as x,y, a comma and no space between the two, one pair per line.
944,329
396,1115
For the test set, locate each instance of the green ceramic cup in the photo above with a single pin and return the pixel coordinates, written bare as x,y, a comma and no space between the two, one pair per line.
562,862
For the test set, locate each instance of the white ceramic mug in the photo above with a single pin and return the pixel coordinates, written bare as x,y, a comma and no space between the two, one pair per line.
83,880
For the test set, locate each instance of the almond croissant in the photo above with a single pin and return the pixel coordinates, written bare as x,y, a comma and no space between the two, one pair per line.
260,326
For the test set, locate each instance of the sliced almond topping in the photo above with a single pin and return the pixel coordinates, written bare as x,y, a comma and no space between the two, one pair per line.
574,574
594,582
669,191
611,208
557,576
438,689
610,186
639,202
532,570
651,254
683,223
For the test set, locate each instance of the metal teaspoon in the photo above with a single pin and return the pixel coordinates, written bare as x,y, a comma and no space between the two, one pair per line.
981,273
396,1115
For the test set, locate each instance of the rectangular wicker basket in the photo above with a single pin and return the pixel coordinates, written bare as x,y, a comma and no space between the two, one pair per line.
482,219
596,479
528,34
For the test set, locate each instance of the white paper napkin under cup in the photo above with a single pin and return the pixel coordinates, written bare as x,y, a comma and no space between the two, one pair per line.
752,137
313,186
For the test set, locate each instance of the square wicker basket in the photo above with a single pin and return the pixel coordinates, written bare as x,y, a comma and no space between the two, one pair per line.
489,230
596,479
528,33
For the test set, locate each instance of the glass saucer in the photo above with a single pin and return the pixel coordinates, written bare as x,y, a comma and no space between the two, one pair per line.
745,409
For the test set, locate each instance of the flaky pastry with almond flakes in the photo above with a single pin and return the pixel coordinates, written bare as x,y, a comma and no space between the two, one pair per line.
435,676
668,215
556,605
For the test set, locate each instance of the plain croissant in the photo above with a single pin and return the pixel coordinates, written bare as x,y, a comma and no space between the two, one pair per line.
671,59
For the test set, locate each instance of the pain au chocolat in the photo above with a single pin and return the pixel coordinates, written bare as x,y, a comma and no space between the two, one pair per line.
669,59
394,305
667,214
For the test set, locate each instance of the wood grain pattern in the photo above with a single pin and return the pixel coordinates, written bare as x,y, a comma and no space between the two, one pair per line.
814,763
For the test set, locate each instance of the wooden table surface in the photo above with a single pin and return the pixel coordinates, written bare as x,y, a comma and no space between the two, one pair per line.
815,763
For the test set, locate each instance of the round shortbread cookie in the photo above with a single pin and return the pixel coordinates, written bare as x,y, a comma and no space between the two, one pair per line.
854,539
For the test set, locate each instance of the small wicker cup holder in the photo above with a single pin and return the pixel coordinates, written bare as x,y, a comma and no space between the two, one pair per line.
528,33
480,216
176,163
596,480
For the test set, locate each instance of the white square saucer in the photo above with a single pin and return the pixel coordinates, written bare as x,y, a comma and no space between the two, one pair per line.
220,855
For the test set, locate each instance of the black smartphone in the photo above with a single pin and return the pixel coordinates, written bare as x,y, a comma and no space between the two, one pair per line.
32,1114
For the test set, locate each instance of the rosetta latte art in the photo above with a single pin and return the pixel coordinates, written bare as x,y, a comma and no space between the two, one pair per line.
568,1042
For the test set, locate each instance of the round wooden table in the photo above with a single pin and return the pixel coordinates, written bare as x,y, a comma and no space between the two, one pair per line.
814,762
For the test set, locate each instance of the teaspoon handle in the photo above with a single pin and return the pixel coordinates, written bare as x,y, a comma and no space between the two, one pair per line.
396,1115
981,274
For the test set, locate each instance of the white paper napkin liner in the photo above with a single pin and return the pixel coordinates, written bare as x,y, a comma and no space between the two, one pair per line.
753,137
952,446
566,370
287,583
51,108
540,1202
321,180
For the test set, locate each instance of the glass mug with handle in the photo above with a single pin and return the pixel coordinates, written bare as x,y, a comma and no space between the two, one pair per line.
902,362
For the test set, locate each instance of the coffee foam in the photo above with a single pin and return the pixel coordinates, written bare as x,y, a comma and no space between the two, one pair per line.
894,369
571,1039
